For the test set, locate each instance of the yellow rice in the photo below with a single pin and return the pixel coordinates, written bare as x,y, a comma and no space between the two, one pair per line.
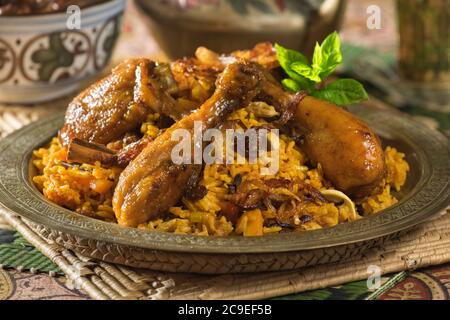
88,189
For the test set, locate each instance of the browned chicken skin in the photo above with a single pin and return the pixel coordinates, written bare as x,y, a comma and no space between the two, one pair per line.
119,103
152,182
349,151
109,108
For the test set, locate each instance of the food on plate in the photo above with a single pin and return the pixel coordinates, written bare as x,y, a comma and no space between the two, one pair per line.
119,103
320,165
333,137
153,174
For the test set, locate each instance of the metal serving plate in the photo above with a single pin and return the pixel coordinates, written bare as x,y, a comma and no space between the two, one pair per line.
425,193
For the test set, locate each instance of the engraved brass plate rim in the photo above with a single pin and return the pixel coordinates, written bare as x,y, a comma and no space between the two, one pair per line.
428,153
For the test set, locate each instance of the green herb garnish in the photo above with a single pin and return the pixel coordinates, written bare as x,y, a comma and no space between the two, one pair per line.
311,77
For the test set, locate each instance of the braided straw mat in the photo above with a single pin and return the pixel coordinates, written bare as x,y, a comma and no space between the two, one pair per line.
428,244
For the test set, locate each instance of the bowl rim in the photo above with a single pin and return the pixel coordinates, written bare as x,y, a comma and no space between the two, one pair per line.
428,197
91,8
161,14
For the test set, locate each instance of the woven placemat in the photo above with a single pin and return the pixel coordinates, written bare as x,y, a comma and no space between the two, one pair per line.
426,245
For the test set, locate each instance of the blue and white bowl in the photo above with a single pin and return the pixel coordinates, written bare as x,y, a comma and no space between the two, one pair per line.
46,56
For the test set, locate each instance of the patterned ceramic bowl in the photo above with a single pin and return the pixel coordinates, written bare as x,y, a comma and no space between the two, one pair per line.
180,26
43,57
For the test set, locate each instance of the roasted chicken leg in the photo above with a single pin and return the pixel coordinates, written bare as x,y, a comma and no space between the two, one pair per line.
152,182
119,103
115,105
349,151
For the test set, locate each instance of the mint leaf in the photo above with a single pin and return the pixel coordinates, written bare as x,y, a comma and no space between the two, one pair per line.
286,57
306,71
291,85
330,54
326,58
317,60
304,76
342,92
